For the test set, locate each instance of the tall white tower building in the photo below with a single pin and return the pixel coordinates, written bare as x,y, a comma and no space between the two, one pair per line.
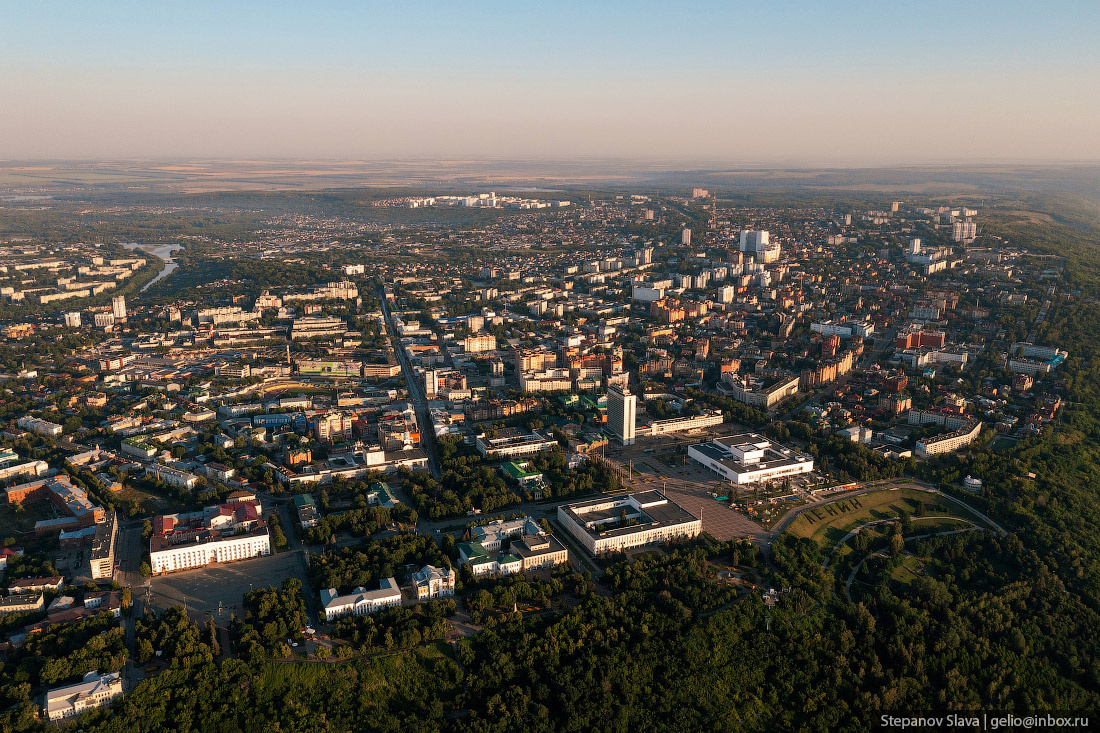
756,244
685,236
964,231
622,410
118,307
752,240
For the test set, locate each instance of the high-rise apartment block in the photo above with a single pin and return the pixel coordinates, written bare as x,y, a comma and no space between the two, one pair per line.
118,307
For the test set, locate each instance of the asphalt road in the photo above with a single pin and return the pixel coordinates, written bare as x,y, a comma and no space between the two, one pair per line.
416,396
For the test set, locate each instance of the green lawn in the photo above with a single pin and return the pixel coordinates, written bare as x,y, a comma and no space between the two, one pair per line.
829,523
149,503
909,570
932,526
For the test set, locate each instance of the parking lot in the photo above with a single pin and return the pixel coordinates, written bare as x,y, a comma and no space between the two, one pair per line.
694,487
223,586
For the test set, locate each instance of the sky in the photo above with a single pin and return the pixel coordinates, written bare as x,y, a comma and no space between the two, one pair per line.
774,83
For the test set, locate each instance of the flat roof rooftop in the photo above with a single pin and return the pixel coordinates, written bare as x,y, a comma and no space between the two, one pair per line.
653,510
775,455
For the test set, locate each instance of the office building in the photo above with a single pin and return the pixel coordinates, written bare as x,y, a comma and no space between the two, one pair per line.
619,523
512,442
756,391
72,319
101,555
748,458
504,547
308,516
707,419
95,690
622,408
22,603
360,601
431,383
221,533
41,427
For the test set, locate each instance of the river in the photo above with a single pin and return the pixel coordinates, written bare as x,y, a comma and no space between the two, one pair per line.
164,251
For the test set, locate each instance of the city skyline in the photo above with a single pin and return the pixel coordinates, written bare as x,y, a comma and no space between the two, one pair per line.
856,84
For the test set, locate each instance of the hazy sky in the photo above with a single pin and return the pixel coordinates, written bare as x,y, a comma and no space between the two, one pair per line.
768,82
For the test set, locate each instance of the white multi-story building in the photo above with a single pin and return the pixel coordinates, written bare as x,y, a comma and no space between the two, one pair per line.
549,380
752,390
857,434
432,582
96,690
495,534
34,469
202,552
172,476
511,546
1034,360
118,307
964,231
748,458
650,518
41,427
843,330
680,424
222,533
925,313
622,408
72,319
360,601
951,420
948,442
757,244
647,294
513,443
479,344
